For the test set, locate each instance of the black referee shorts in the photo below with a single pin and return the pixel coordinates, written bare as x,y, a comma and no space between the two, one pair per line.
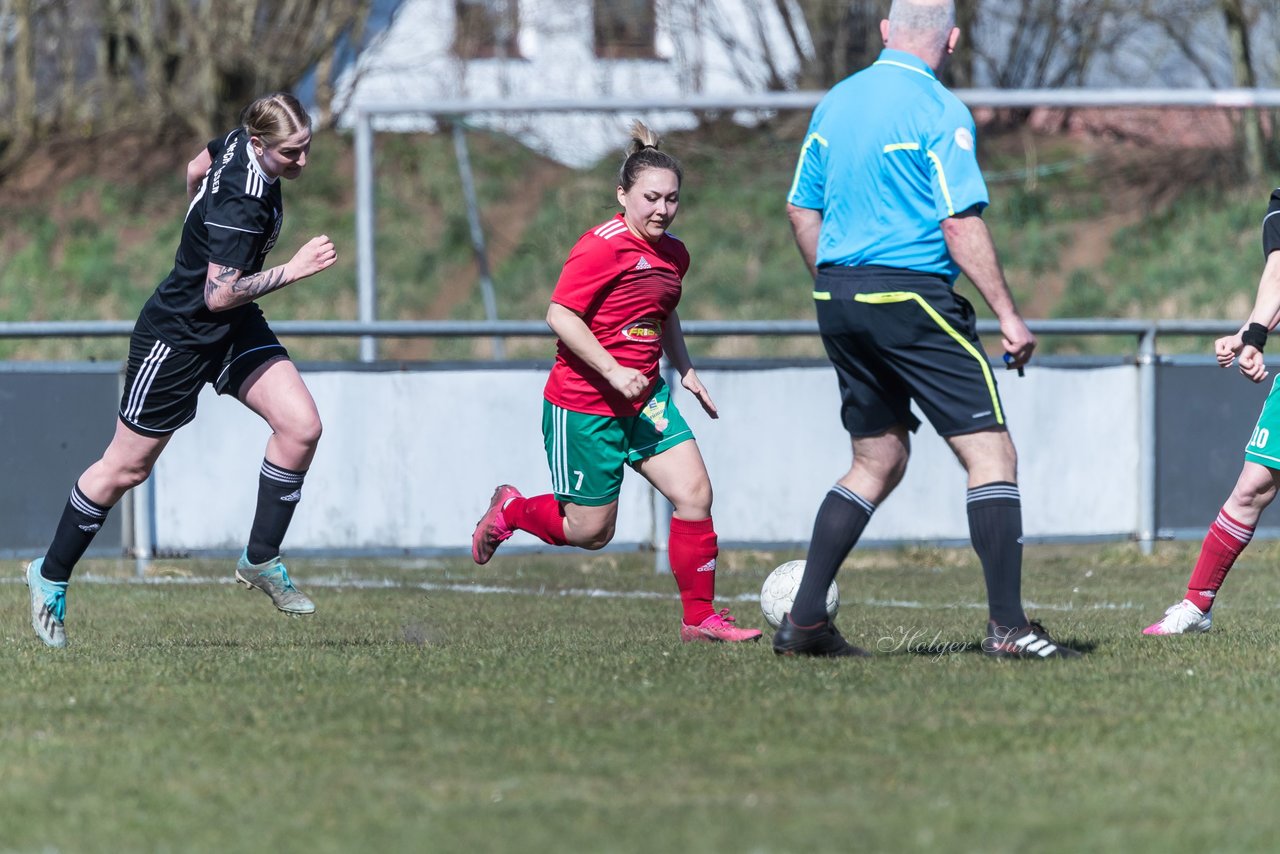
162,384
895,336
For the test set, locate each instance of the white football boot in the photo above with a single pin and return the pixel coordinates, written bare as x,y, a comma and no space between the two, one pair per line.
1181,619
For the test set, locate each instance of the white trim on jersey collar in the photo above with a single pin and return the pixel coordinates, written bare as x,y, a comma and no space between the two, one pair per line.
906,66
257,167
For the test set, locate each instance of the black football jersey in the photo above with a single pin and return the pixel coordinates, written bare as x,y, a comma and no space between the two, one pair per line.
233,221
1271,225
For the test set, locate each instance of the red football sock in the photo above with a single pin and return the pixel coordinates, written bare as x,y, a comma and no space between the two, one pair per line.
539,515
1222,545
692,552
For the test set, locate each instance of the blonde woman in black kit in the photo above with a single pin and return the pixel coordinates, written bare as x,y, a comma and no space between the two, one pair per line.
202,325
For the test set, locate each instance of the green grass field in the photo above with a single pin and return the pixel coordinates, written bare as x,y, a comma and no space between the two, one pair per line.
545,704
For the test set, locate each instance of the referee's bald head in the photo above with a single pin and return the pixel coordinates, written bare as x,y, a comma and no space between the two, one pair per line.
920,25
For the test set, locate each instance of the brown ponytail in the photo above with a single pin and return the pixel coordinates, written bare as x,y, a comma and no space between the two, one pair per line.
643,153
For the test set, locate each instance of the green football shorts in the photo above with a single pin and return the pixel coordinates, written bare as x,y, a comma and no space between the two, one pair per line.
1260,450
586,452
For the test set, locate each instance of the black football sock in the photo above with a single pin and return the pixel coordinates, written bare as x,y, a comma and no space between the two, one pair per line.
841,520
279,490
81,520
995,528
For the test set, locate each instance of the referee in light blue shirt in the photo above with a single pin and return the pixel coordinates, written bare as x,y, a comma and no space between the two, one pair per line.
886,209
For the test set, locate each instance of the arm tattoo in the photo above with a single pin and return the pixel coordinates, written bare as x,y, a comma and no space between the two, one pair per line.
240,287
259,283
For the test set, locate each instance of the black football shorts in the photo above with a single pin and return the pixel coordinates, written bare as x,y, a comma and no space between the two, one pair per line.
162,384
897,336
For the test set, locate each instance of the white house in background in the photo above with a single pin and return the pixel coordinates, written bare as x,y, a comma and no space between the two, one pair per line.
568,49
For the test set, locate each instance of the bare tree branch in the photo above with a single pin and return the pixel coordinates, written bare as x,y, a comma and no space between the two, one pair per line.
153,64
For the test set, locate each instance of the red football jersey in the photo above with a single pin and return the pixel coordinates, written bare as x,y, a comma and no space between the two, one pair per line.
625,288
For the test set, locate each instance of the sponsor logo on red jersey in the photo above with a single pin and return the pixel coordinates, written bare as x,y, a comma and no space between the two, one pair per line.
648,329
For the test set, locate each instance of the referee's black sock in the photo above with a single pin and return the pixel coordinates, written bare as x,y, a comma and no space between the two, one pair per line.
995,528
279,490
841,520
81,520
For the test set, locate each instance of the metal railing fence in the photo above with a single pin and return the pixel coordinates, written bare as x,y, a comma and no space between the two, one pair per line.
1145,334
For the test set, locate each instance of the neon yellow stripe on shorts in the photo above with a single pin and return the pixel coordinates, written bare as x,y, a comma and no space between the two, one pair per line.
907,296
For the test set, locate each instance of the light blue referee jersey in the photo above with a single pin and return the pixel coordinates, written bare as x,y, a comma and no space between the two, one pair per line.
889,154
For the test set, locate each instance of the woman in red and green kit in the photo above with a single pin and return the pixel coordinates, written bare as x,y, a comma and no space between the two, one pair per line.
606,405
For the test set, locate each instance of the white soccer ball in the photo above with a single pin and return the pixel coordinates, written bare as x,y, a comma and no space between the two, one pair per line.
779,593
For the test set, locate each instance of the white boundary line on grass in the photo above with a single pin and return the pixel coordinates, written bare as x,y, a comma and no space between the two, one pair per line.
336,583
